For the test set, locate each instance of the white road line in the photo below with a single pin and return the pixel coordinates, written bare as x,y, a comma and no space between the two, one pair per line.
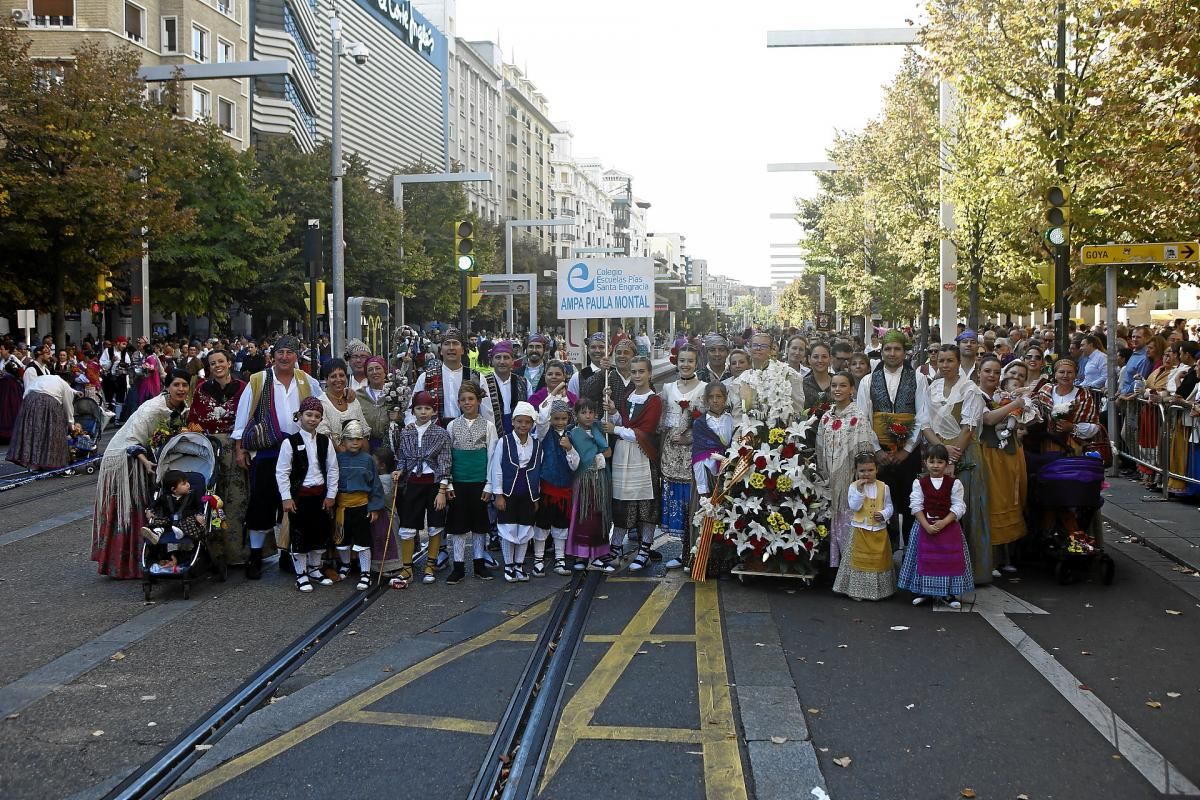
48,524
993,604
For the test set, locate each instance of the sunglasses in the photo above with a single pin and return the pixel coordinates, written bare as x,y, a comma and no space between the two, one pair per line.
760,346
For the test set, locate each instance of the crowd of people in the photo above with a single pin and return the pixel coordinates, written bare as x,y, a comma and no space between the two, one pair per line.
341,462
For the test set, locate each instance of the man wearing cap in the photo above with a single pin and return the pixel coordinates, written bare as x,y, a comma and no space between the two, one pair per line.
443,378
596,353
896,399
266,415
968,350
503,389
533,366
357,354
616,378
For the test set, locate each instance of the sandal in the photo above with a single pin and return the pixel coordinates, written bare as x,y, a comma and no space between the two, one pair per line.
539,567
303,584
317,576
343,572
364,582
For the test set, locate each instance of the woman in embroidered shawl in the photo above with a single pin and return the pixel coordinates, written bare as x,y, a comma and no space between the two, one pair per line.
125,484
956,407
341,404
1004,459
844,431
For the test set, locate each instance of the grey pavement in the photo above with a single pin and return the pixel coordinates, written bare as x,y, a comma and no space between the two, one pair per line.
1171,527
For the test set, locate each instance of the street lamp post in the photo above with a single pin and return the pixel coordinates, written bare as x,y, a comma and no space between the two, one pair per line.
508,251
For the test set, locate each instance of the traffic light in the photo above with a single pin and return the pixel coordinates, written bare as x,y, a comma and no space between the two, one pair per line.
464,244
104,288
320,297
1046,287
473,295
1058,215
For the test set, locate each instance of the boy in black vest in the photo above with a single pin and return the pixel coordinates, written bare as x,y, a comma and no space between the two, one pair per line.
307,476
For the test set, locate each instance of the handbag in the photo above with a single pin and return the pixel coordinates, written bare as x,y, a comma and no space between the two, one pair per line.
260,435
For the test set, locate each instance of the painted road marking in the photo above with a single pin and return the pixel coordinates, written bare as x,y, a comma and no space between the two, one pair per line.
994,604
717,735
352,707
48,524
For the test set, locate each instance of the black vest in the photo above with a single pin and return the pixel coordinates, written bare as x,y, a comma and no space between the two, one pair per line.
300,459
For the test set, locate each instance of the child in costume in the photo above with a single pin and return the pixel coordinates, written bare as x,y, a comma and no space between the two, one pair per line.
591,496
424,461
174,522
472,439
359,503
515,477
866,571
558,473
307,476
937,564
712,433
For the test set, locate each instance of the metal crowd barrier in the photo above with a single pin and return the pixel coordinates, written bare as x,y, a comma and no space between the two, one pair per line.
1150,432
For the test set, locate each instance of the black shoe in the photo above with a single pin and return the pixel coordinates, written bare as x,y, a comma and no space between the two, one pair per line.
285,563
254,565
481,570
655,555
456,574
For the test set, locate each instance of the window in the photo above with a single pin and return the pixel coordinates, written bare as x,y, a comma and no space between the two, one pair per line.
199,44
135,23
53,13
201,104
224,52
226,112
170,35
225,7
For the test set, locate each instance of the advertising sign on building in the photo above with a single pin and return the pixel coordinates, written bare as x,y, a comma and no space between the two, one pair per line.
694,295
605,287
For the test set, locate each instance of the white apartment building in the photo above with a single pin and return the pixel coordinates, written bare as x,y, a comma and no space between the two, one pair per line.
578,194
527,131
668,251
698,272
629,213
477,111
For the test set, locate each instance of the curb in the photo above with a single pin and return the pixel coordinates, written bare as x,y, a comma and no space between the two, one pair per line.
1129,529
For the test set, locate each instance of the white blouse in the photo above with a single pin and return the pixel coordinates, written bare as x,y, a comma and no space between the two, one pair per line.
958,503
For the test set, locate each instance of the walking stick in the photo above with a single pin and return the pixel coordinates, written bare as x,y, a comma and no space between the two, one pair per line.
388,539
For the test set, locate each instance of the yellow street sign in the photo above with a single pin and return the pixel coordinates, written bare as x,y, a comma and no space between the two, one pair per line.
1140,253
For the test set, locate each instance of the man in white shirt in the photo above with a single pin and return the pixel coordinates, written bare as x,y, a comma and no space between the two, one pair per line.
443,378
259,427
597,349
502,388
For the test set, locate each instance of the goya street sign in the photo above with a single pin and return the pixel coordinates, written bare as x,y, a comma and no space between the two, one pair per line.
1140,253
490,288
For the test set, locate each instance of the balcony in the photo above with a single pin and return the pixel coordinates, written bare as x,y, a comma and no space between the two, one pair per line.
512,167
306,119
566,212
293,29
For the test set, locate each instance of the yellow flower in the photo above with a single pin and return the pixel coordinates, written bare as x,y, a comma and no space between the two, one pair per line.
822,531
777,436
757,480
776,521
783,483
718,527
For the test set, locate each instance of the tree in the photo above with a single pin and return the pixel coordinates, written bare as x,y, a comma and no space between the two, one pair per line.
84,164
237,237
798,302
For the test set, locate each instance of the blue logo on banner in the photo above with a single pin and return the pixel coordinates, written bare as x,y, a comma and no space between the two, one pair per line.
579,279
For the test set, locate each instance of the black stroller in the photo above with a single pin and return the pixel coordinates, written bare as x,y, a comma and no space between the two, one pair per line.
197,457
1065,492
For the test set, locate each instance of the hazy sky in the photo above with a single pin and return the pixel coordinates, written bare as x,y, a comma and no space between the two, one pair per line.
687,97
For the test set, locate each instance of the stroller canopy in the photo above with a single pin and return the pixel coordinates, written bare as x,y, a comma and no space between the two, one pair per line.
188,453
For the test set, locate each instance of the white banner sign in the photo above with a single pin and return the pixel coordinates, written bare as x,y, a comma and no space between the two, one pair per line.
605,287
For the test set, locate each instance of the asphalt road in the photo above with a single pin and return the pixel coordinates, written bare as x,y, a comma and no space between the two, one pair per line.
660,701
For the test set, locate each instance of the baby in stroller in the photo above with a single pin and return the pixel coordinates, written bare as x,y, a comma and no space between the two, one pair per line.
175,522
81,443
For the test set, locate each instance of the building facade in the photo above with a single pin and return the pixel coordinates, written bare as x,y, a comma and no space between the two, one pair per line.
578,194
527,130
161,32
477,113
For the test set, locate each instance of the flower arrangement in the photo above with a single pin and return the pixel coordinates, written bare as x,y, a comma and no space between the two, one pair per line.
898,431
396,391
166,430
774,500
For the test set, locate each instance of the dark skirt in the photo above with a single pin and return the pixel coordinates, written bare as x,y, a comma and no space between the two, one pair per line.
554,509
468,513
416,506
356,527
39,435
11,390
264,511
635,513
309,525
518,510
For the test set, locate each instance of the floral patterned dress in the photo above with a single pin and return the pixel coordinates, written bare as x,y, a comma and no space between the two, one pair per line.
841,434
214,408
676,458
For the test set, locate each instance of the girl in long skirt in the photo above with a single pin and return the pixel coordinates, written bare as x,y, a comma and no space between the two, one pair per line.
937,565
866,571
591,497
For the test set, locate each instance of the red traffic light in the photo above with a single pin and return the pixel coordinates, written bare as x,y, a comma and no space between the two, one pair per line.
95,308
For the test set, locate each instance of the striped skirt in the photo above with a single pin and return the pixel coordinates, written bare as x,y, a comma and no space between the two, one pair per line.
39,436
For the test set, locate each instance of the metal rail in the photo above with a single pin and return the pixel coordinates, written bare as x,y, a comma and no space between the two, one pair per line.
156,777
535,702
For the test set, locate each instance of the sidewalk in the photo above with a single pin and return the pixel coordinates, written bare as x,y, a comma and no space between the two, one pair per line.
1172,527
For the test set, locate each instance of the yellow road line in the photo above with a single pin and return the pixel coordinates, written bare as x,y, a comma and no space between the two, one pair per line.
723,777
609,638
452,724
343,713
578,714
630,733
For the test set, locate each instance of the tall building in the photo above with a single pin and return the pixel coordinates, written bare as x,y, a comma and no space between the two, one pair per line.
477,111
394,106
578,194
668,251
161,32
629,213
527,130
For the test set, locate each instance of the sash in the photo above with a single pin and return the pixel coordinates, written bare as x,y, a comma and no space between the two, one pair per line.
346,500
889,439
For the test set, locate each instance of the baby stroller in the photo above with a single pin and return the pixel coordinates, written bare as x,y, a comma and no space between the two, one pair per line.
90,416
196,456
1065,494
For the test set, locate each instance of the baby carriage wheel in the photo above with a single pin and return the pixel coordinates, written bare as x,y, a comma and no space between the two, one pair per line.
1108,569
91,470
1063,573
222,570
187,590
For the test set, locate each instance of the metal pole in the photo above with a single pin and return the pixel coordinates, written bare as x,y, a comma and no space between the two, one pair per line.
821,284
398,196
337,314
1110,310
947,255
1062,253
508,270
464,324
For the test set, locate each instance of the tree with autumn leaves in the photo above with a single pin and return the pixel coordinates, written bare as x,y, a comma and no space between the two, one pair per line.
1128,133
